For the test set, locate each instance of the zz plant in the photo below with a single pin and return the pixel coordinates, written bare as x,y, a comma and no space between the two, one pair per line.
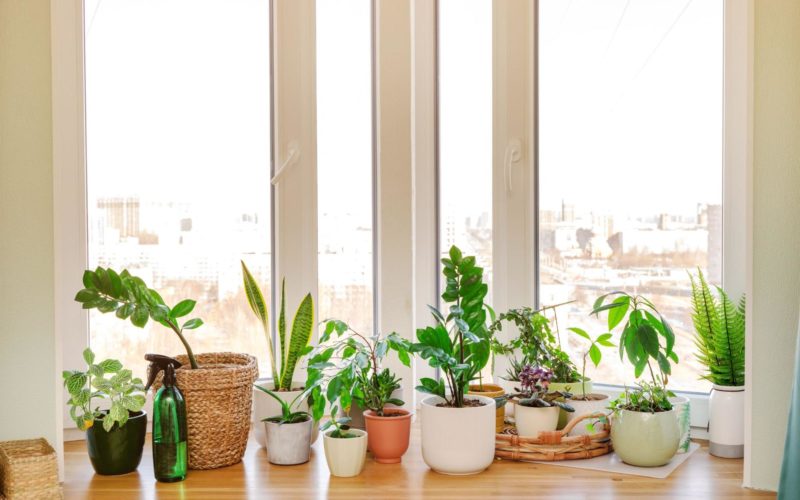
129,298
459,343
104,380
292,348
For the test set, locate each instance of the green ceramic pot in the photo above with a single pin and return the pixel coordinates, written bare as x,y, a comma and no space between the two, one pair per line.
645,439
118,451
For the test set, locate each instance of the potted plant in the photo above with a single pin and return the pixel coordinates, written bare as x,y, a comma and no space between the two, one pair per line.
114,437
644,430
289,432
292,349
458,431
537,407
216,386
348,365
345,448
719,326
584,402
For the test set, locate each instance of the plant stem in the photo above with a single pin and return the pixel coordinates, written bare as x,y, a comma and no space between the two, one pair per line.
189,353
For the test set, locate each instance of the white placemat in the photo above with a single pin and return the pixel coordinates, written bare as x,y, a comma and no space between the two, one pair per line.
612,463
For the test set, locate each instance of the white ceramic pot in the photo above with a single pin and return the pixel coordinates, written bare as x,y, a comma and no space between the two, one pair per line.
357,413
457,440
345,456
645,439
264,406
531,421
585,408
683,413
288,444
726,422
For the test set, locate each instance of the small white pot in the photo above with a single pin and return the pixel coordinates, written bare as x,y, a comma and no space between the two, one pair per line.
645,439
345,456
265,406
585,408
531,421
683,412
357,413
288,444
457,441
726,422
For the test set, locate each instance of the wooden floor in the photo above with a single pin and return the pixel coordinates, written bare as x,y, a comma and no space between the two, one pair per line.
702,476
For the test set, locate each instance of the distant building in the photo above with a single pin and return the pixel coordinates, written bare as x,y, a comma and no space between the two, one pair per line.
121,214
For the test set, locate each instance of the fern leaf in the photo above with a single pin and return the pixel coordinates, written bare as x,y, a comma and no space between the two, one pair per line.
730,341
302,326
705,318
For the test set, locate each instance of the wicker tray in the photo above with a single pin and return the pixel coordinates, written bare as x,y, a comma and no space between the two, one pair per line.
28,470
554,446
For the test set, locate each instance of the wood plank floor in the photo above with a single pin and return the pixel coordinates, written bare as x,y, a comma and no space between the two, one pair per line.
702,476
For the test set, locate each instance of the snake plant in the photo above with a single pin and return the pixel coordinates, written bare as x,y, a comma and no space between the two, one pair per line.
292,348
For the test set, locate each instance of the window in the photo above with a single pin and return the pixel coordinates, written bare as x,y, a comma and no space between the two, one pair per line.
178,155
344,161
630,161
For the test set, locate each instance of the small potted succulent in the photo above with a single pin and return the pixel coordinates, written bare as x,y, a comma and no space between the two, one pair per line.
644,426
114,437
348,366
345,448
458,430
537,407
288,433
585,402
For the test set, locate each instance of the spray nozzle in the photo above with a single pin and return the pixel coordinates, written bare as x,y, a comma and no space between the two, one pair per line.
160,362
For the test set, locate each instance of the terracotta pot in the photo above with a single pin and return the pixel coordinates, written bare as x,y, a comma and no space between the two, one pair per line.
357,413
388,435
491,391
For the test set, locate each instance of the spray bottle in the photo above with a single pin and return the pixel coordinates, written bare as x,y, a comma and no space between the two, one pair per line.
169,421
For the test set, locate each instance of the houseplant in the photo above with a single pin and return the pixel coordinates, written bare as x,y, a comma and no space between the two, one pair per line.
292,349
644,430
537,407
288,433
216,386
719,326
114,437
348,365
458,431
345,448
586,402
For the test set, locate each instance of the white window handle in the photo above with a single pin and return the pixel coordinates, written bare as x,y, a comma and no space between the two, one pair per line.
512,155
291,159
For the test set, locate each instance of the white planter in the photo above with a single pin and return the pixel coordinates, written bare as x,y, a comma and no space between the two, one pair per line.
357,413
265,406
345,456
683,413
726,422
645,439
288,444
585,408
457,440
531,421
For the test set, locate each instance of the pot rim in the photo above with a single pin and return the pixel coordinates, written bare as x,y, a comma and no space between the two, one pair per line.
728,388
429,402
404,414
605,396
140,414
306,421
645,412
361,434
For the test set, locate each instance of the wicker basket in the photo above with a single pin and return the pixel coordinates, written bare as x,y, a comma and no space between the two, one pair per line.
554,446
28,469
219,397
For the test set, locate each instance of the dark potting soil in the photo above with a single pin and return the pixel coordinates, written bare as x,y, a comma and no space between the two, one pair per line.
589,397
468,403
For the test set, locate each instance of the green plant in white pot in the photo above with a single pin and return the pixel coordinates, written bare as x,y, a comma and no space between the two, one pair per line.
345,448
537,408
586,402
288,433
644,430
719,326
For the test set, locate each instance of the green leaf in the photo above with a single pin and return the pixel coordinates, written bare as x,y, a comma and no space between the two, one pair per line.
182,308
88,356
302,327
140,316
663,363
97,371
110,365
193,323
580,332
617,314
86,295
455,255
648,337
75,383
595,354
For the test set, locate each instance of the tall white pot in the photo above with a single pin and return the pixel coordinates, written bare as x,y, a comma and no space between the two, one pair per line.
265,406
458,441
726,421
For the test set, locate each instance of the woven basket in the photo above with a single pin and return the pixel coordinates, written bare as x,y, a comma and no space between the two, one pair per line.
28,469
219,397
554,446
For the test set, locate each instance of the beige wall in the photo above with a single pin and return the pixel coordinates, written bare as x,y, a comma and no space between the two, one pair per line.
27,339
776,230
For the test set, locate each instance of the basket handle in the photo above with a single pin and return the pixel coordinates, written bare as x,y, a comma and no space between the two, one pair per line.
572,423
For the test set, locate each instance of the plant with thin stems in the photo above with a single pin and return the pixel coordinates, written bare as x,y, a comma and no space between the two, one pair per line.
593,351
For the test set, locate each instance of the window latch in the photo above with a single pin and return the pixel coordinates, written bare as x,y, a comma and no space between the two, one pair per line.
512,155
291,159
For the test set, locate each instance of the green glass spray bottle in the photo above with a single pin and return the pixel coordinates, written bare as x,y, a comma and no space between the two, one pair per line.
169,422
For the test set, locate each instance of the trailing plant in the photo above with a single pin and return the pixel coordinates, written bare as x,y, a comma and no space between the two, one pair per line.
719,327
346,367
129,298
289,413
648,340
340,428
459,343
292,348
104,380
593,352
533,391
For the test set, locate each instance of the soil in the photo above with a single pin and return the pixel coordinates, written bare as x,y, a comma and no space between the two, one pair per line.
589,397
468,403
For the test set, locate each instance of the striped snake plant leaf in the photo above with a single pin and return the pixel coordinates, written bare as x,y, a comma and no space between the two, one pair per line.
282,338
259,306
302,326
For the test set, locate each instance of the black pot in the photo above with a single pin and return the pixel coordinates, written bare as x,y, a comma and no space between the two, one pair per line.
118,451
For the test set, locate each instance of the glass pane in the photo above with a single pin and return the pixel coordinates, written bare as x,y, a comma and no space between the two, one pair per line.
630,138
465,129
344,161
178,145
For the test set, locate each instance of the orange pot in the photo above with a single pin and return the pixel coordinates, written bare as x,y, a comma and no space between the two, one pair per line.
492,391
387,436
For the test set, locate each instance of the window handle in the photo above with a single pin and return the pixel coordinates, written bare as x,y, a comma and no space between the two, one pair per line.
512,155
291,159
